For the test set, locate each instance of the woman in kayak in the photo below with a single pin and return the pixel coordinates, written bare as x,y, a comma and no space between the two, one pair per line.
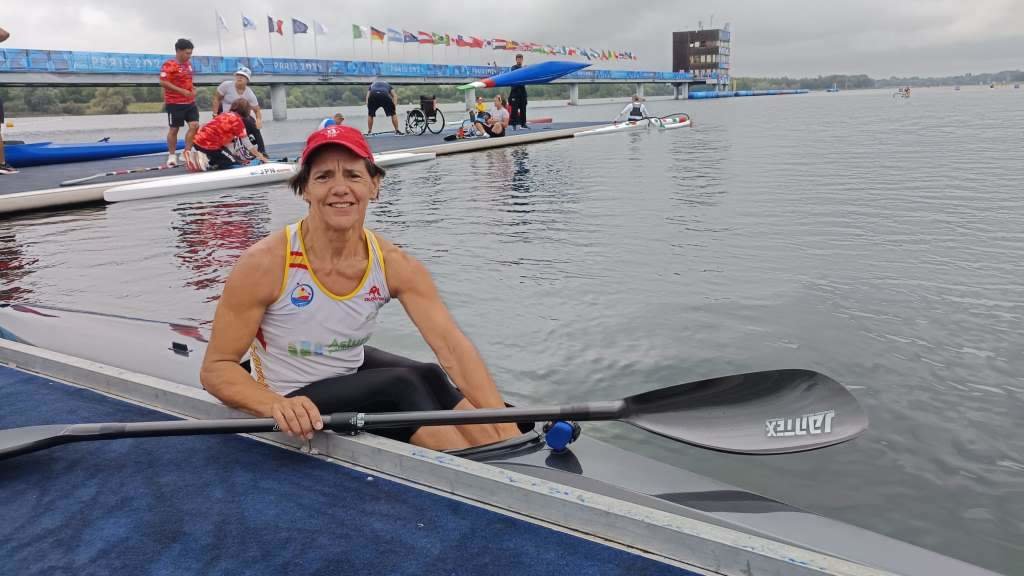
304,302
633,111
220,142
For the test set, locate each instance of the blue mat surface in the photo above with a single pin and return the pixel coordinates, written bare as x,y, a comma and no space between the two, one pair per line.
232,505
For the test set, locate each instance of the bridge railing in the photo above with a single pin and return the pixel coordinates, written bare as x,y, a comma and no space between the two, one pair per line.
78,62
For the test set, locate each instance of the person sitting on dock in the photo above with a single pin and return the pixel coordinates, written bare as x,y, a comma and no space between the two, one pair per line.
223,141
336,120
495,124
480,109
303,302
634,111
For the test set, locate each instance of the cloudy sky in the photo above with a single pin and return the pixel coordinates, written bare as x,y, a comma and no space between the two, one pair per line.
770,37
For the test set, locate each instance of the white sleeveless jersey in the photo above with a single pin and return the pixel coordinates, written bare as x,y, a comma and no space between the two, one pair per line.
309,334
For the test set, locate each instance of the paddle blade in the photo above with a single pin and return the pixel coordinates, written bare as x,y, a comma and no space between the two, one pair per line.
772,412
31,438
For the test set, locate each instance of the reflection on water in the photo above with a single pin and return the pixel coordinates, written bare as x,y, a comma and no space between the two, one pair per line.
211,235
878,244
14,267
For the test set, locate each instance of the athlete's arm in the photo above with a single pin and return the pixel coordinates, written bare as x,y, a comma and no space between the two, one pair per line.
217,99
252,286
259,116
409,281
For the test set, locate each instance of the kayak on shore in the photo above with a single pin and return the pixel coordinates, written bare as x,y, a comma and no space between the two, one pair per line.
44,153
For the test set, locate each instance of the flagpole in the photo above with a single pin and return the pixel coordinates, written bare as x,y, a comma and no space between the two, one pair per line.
294,52
245,40
316,49
270,37
216,18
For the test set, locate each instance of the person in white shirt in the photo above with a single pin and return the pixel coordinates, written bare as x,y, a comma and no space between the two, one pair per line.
496,124
634,111
230,90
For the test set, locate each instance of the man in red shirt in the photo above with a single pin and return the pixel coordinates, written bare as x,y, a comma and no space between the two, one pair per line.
223,141
179,98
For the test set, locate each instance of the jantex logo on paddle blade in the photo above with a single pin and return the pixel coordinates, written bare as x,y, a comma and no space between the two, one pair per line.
808,424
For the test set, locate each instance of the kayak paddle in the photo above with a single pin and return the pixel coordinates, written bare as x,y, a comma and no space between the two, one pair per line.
74,181
770,412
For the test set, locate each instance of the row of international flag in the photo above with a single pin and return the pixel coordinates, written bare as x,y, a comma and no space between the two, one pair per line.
460,41
392,35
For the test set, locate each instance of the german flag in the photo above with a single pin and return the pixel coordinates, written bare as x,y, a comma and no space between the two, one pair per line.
376,34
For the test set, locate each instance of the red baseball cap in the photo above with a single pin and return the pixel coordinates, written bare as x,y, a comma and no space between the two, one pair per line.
346,136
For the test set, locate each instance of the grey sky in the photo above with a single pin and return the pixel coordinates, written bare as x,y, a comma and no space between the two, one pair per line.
770,37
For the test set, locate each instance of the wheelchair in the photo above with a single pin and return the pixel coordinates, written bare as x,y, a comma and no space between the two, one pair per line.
426,117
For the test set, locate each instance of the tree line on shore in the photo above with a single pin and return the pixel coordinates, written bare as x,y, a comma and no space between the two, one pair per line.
79,100
862,81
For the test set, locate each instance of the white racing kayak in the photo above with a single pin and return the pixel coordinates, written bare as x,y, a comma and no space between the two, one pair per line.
613,493
669,122
616,127
233,178
202,182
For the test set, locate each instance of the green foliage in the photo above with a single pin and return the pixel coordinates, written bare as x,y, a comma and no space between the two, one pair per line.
43,101
110,100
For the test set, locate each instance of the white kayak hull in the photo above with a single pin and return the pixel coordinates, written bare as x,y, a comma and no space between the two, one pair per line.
715,523
175,350
202,182
234,178
618,127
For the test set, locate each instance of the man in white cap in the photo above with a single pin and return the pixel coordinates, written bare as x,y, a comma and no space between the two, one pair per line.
230,90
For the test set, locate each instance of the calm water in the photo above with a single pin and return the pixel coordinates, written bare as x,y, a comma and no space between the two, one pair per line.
877,241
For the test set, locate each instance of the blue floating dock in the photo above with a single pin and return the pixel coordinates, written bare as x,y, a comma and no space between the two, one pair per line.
235,505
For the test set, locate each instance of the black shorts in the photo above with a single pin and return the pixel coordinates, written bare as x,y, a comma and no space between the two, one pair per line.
385,383
1,110
180,114
487,128
380,100
219,159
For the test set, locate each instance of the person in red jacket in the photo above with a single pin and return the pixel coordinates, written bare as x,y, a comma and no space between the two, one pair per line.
223,141
179,98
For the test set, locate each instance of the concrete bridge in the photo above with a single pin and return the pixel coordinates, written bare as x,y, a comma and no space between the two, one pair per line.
20,67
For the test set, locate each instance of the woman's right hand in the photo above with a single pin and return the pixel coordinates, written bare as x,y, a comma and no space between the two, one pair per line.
297,416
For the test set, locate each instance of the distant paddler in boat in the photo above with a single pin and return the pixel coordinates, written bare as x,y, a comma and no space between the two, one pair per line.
223,141
634,111
304,302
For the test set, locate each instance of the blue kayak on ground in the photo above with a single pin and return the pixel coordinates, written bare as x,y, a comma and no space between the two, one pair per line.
42,153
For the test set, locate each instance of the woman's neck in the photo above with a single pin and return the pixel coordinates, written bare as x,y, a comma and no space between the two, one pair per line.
333,245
